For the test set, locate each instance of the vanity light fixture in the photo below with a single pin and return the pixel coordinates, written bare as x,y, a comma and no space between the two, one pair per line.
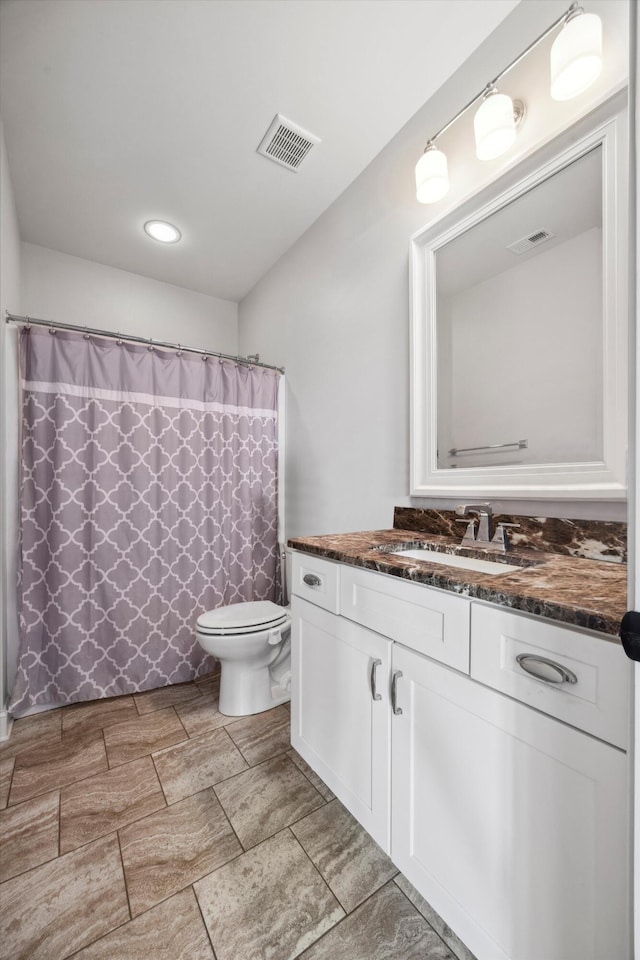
162,231
495,123
576,54
432,177
576,61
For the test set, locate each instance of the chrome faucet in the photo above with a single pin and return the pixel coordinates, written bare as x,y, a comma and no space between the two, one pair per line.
485,514
486,538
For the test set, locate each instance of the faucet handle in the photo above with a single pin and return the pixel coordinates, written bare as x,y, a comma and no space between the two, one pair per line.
470,532
500,537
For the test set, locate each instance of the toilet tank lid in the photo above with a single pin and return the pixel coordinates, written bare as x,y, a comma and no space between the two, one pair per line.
253,613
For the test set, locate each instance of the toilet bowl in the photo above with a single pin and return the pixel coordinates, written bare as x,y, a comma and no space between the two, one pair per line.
252,642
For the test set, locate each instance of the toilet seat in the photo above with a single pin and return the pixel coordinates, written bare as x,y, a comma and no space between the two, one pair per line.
253,616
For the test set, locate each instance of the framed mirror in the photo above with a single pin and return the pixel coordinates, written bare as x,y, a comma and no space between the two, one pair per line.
519,332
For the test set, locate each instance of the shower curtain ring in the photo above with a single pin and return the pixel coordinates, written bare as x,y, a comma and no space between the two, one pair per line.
52,330
150,347
179,350
205,357
118,340
86,334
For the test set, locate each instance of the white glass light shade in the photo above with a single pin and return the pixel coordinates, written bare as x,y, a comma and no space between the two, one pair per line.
494,126
432,177
576,56
163,231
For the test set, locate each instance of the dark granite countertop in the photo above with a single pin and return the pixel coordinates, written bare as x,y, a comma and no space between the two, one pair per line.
585,593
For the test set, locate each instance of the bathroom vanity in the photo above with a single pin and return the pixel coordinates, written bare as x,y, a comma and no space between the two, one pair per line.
483,747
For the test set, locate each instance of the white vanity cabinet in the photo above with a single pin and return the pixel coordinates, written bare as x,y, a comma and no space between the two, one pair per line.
506,797
512,825
340,717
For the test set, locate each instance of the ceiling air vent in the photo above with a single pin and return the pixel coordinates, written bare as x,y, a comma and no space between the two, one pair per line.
533,240
286,143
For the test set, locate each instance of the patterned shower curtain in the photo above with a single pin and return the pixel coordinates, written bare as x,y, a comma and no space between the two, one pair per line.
148,495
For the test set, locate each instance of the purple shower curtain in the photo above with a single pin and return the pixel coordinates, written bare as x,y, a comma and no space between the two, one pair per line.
148,495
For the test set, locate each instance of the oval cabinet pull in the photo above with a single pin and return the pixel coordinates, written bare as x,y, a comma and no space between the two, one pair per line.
312,580
372,679
543,669
394,693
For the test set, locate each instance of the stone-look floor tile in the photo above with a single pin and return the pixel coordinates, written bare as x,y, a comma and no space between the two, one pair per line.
271,902
97,714
196,764
351,862
6,772
54,765
28,835
137,738
263,735
386,927
31,732
434,919
107,802
57,908
201,715
152,700
170,849
174,930
311,775
267,798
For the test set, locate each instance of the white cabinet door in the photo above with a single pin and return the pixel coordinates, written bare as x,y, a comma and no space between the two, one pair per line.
337,724
512,825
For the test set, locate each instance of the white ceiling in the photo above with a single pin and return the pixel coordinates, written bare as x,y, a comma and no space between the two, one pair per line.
119,111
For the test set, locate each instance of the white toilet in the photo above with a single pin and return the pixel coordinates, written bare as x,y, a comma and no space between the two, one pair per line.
252,641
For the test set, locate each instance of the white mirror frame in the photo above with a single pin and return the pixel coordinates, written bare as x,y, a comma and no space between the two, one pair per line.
597,480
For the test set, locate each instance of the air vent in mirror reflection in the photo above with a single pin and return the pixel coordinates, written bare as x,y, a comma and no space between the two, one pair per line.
532,240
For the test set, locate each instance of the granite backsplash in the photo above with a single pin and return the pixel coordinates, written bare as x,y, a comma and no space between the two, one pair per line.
590,539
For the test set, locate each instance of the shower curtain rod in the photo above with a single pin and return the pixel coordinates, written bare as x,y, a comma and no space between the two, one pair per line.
148,341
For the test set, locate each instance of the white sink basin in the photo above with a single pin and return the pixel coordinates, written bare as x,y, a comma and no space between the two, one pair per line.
453,560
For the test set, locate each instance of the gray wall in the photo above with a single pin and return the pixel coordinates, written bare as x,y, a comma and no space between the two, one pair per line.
57,286
335,309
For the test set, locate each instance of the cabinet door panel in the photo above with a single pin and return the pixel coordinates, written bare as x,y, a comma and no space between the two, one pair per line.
429,621
336,725
511,824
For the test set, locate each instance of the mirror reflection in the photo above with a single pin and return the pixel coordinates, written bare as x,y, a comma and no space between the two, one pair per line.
520,329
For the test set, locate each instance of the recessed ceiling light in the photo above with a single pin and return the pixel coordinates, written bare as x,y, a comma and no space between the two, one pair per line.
163,231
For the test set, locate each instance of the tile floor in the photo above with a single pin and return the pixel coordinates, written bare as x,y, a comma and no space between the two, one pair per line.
153,827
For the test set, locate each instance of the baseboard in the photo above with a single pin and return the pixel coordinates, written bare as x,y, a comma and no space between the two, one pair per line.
6,722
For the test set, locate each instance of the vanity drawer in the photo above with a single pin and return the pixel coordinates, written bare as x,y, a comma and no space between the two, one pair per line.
315,580
432,622
596,701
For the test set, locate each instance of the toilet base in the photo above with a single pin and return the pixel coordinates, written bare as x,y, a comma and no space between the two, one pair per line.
245,691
